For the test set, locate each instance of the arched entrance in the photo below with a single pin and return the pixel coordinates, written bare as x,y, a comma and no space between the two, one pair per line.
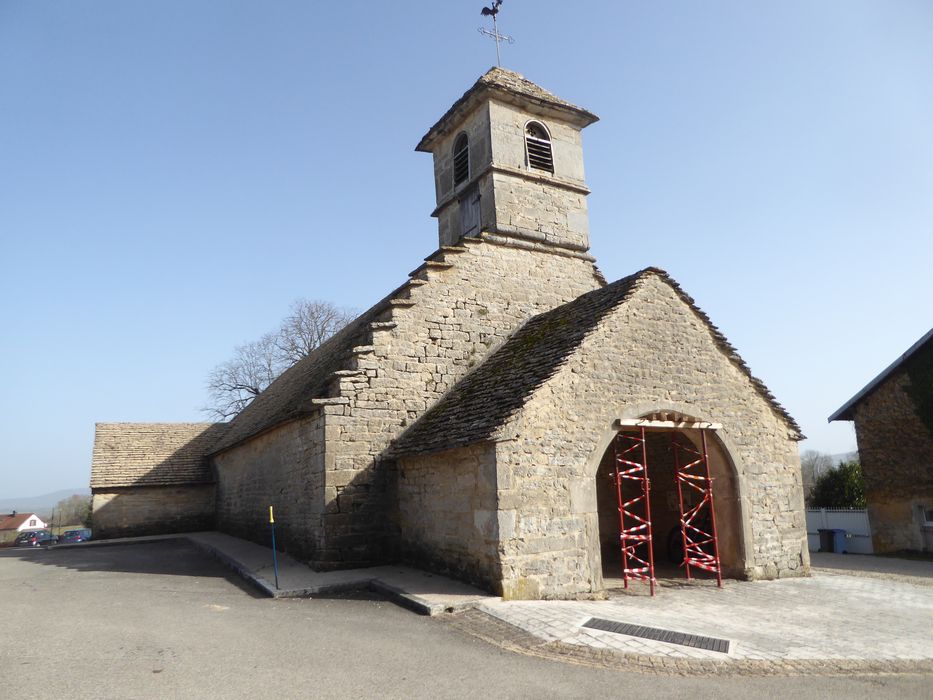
670,454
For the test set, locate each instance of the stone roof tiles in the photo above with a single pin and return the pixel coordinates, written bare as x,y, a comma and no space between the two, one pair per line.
153,454
484,400
507,84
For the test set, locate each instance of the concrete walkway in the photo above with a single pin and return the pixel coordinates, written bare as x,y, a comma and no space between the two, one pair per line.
854,614
425,593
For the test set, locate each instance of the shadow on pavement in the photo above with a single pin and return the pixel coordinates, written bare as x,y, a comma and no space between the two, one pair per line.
167,558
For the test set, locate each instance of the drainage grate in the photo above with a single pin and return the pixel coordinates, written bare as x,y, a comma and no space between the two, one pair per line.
687,640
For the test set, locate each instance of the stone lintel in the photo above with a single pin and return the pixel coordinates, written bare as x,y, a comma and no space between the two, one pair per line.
667,424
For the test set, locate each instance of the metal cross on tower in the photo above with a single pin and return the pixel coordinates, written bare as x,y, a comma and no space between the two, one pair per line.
492,11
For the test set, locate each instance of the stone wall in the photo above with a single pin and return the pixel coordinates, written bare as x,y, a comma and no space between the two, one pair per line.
447,516
152,510
282,468
652,353
547,206
508,141
896,453
514,198
458,307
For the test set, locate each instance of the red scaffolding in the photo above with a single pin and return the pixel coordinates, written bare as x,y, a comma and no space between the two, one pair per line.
697,521
635,539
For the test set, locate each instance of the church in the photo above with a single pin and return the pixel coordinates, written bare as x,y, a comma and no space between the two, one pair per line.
506,416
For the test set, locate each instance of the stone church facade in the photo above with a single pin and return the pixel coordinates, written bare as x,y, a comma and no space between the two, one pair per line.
463,423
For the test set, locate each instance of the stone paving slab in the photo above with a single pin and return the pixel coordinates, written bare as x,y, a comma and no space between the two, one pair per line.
821,618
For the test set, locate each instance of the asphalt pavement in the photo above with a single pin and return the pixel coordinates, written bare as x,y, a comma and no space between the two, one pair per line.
162,620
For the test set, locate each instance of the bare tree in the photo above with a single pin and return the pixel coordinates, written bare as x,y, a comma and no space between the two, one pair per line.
74,510
813,464
254,366
308,324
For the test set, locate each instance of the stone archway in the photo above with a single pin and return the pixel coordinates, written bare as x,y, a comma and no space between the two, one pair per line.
665,429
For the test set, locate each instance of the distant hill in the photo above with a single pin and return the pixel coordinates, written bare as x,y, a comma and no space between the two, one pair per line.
39,504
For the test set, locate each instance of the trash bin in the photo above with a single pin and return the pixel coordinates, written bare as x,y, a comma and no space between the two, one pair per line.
839,541
826,540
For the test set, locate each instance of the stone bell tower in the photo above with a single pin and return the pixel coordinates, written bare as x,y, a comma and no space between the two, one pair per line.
508,161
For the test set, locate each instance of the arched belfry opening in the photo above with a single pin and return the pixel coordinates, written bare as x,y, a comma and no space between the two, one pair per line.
668,503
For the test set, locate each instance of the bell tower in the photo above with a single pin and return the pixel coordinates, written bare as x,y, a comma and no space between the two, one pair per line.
508,162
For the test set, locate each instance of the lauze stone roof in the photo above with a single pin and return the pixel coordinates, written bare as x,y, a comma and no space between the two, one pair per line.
153,454
505,83
484,400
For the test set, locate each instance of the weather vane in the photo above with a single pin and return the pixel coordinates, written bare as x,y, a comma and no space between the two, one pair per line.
492,11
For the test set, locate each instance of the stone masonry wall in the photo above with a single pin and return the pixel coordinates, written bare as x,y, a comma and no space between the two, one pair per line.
650,354
538,209
549,206
283,468
508,141
896,453
152,510
447,514
514,198
457,307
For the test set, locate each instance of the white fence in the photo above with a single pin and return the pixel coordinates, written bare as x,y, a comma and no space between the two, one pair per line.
854,522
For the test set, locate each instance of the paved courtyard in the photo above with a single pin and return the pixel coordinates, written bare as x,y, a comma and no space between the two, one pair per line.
855,613
162,620
824,618
168,605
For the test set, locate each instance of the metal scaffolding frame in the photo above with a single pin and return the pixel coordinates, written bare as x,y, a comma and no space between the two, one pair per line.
697,522
627,449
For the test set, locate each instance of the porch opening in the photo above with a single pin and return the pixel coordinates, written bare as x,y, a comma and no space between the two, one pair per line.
665,449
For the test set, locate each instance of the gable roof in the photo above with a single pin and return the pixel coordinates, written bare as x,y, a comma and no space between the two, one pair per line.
845,412
152,454
507,85
14,522
486,398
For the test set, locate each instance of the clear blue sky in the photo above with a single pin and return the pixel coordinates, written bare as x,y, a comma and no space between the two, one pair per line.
173,174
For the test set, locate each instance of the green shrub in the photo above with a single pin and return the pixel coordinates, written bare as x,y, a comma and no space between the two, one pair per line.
840,487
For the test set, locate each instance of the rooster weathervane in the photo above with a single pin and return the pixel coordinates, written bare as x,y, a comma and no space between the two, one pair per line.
492,11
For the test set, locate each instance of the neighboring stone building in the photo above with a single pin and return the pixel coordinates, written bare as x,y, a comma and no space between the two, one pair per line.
152,478
893,417
465,422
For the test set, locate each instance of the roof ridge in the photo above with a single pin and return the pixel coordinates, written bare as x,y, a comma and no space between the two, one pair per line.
481,403
505,81
548,328
843,412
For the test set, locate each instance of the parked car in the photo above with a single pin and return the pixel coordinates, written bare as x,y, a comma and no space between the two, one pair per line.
27,539
72,536
46,538
35,538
